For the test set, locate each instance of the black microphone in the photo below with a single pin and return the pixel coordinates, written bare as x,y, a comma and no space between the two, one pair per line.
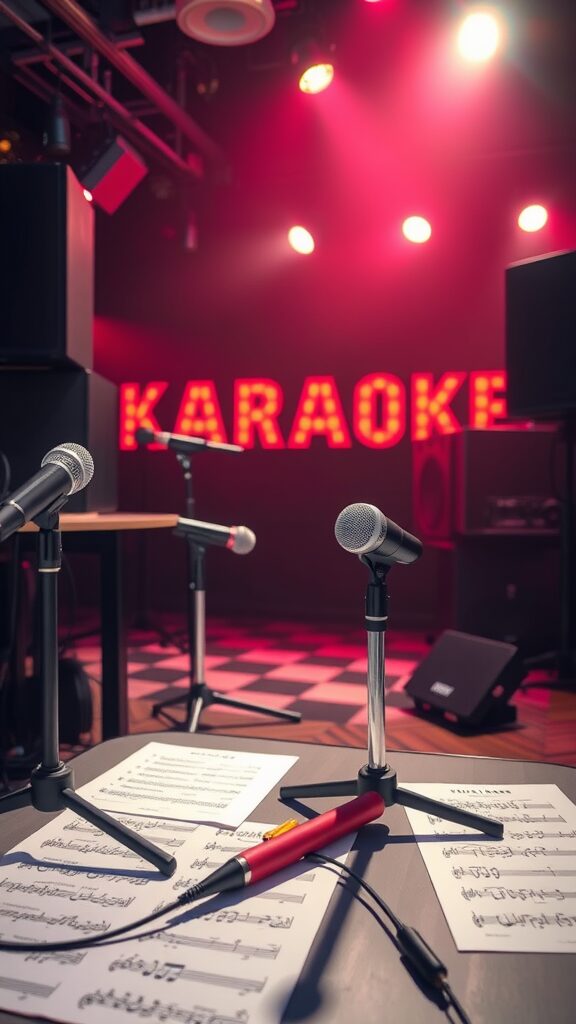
238,539
181,442
65,469
364,530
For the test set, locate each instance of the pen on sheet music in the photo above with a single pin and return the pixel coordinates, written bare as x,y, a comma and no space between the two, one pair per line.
281,850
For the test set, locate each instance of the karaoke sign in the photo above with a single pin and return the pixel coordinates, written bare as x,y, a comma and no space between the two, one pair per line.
384,408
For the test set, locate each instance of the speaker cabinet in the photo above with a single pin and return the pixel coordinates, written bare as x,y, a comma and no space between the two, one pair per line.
42,408
540,335
46,267
466,681
506,588
481,481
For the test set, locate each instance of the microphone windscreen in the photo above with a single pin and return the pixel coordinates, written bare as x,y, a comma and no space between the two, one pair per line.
360,528
244,541
144,436
77,462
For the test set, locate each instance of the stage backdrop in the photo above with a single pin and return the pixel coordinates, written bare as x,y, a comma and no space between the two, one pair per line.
365,307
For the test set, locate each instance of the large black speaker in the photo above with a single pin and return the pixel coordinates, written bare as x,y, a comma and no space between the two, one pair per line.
541,335
506,588
46,267
484,481
42,408
466,681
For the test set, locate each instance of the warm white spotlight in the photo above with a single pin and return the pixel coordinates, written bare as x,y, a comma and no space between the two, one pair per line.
88,195
416,229
533,218
301,240
479,36
316,78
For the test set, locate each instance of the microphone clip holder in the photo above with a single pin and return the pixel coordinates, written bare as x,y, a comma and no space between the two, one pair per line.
51,786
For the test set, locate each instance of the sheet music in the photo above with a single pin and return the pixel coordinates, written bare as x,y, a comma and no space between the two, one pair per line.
218,787
232,959
516,894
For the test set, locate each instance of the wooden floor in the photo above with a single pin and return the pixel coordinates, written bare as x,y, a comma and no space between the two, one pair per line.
545,728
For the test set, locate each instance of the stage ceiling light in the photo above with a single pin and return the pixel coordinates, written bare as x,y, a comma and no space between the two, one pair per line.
314,66
301,240
479,36
533,218
225,22
416,229
114,174
57,138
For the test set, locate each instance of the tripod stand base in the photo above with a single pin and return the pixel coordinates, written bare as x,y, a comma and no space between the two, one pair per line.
51,789
384,782
200,696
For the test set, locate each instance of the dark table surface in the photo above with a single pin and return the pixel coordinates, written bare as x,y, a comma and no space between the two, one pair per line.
353,972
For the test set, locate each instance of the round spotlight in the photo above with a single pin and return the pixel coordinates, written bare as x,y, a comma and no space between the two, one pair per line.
88,195
479,36
416,229
533,218
301,240
314,66
316,78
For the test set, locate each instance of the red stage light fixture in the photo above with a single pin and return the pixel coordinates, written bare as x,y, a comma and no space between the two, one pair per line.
114,175
416,229
314,66
479,36
301,240
533,218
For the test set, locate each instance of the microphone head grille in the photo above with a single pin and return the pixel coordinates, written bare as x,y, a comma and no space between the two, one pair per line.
77,462
360,528
244,540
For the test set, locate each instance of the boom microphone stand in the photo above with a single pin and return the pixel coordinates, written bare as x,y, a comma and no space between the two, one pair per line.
200,695
381,543
51,787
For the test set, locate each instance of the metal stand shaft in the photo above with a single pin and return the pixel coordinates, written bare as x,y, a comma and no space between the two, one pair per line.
51,786
199,694
377,774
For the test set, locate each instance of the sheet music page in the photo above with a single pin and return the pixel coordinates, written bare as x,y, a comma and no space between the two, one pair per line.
217,787
516,894
230,959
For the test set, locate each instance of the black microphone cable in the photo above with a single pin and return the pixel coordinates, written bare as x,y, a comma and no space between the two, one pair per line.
410,943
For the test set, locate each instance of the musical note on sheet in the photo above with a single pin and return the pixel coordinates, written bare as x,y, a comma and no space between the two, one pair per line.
473,873
218,787
227,960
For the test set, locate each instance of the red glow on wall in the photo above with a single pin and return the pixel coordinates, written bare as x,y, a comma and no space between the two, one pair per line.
258,402
199,414
319,413
136,411
379,410
431,412
487,398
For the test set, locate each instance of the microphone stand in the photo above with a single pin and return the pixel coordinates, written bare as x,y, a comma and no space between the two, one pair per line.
377,775
200,695
51,786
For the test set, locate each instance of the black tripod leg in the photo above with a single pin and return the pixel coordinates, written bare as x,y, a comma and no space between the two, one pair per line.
348,788
165,862
17,798
261,709
424,803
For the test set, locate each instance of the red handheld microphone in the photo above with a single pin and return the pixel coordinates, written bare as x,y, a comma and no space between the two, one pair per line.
259,861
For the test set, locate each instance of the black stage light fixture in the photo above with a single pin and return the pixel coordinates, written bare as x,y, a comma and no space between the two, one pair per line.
113,174
313,64
57,138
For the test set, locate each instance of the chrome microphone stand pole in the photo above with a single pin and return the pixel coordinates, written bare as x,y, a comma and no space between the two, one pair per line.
377,774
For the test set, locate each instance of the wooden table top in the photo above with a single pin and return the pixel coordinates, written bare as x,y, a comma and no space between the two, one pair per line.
91,521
